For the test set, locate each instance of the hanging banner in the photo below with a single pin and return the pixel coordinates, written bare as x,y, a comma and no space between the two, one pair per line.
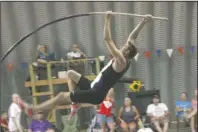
147,54
136,56
158,52
181,50
169,52
24,65
192,48
10,67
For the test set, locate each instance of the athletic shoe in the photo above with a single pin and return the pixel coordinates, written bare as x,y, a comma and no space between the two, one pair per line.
74,110
27,108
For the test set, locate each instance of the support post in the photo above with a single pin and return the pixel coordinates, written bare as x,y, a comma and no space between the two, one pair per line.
52,114
97,66
32,80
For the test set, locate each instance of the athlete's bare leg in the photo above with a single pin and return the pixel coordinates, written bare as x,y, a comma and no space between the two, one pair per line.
73,78
61,98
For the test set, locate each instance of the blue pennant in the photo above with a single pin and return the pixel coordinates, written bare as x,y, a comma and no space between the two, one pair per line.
192,48
158,52
24,65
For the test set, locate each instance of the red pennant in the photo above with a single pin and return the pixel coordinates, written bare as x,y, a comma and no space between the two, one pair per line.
147,54
181,50
10,67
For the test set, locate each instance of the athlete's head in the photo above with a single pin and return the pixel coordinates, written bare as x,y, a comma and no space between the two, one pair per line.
15,98
129,50
127,101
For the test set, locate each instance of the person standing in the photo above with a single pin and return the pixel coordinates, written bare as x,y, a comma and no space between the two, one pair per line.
105,115
14,114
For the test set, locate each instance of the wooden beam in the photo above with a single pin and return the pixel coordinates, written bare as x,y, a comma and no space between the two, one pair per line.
46,82
68,106
54,81
42,94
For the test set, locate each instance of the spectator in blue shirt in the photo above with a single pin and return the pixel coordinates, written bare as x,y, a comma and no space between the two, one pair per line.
183,107
40,124
42,57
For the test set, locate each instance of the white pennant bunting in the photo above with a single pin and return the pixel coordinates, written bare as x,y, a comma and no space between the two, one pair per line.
169,52
136,56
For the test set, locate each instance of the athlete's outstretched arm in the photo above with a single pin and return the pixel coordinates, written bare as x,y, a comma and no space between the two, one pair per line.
134,34
107,36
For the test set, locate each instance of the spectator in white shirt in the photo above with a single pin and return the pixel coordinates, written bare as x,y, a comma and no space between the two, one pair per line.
76,53
158,113
14,113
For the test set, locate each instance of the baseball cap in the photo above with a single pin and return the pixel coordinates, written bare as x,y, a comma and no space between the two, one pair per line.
40,112
156,96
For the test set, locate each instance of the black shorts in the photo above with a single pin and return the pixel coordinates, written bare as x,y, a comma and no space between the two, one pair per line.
86,94
84,83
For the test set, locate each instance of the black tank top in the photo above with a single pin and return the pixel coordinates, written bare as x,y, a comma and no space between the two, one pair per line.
108,77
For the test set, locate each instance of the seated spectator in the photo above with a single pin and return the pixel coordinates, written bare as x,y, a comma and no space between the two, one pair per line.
43,56
128,116
4,122
105,115
40,124
193,112
76,53
183,107
158,114
145,130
